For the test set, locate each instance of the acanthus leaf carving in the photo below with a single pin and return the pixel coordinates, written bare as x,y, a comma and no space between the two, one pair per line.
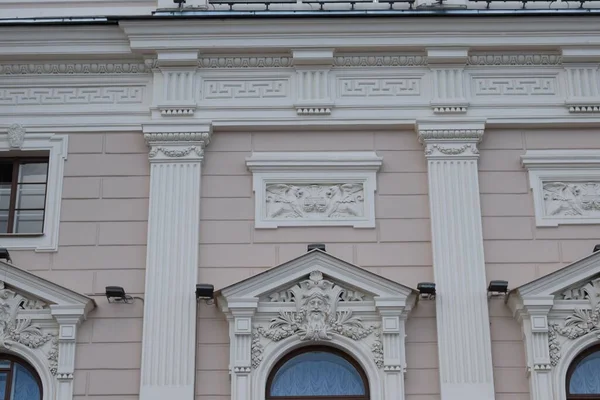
581,322
15,329
579,199
316,316
330,201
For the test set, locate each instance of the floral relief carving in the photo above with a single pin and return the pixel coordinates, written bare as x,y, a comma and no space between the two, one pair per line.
572,199
256,349
581,322
312,201
15,329
316,316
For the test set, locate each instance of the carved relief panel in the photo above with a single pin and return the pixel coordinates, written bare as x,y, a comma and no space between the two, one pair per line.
565,185
318,189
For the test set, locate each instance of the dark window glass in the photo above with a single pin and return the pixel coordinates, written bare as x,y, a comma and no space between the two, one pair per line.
317,372
23,195
583,377
18,380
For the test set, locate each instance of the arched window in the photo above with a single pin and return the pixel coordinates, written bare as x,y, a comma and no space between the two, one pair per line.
317,372
18,380
583,376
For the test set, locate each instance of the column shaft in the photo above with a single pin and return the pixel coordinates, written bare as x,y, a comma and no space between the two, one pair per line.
459,268
169,332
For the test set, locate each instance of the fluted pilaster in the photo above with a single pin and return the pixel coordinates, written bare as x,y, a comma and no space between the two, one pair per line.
459,269
169,333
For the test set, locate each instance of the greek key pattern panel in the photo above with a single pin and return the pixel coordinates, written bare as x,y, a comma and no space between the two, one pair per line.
515,86
42,96
245,89
378,87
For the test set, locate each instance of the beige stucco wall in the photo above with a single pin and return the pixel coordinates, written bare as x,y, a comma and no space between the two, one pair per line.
102,242
103,235
515,250
399,248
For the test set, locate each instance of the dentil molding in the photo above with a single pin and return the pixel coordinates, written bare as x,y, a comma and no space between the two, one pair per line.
457,141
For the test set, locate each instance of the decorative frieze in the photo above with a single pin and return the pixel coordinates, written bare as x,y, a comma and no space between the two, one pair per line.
237,89
515,86
378,87
245,62
75,68
379,60
565,186
517,59
45,96
290,192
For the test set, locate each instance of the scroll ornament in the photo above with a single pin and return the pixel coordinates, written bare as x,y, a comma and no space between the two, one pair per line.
316,317
15,329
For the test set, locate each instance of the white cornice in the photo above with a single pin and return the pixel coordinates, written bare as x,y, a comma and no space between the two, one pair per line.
557,159
365,33
319,161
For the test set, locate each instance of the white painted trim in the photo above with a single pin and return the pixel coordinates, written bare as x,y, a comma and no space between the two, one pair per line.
457,244
57,146
562,167
540,306
303,169
382,305
58,317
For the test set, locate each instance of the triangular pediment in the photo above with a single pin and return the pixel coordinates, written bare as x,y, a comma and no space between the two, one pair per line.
41,293
316,269
568,283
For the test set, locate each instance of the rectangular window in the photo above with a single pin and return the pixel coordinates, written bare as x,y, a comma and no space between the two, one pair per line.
23,184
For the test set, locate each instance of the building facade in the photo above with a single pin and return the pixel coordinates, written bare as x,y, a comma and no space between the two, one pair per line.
155,146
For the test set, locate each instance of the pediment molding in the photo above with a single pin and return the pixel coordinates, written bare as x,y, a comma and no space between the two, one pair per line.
347,276
38,322
560,315
316,299
577,274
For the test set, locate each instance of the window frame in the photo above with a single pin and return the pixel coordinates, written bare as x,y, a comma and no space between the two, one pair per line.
12,209
56,147
572,367
308,349
9,379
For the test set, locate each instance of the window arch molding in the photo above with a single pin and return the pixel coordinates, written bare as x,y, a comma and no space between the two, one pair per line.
316,299
362,356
